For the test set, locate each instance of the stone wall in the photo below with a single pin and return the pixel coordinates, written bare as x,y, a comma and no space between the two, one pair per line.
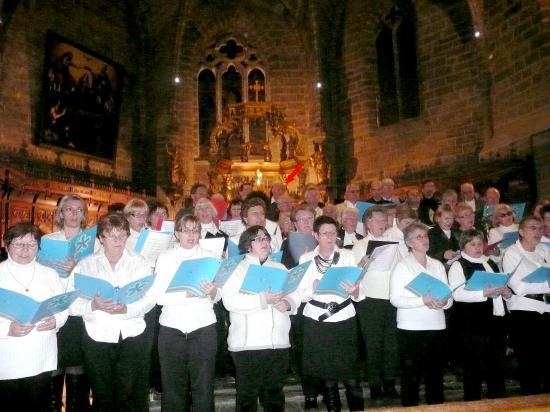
100,26
480,97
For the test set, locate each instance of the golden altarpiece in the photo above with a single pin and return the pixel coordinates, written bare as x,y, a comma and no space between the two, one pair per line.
244,136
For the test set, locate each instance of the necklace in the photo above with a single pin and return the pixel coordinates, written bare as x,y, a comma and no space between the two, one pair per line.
21,283
324,264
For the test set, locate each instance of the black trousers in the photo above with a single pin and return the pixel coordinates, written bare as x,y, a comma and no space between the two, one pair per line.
377,319
421,354
30,394
531,334
261,371
484,358
188,360
117,372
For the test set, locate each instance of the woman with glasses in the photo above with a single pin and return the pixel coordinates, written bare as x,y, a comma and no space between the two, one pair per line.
529,307
420,320
330,326
478,320
136,212
302,217
116,351
258,335
70,218
28,352
187,339
504,220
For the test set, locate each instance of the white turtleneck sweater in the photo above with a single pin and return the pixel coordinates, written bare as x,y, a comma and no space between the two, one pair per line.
35,353
179,311
456,278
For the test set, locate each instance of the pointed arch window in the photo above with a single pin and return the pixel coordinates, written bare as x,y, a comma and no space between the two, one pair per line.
397,67
232,73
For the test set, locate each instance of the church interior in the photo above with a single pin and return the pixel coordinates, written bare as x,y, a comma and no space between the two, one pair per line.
113,100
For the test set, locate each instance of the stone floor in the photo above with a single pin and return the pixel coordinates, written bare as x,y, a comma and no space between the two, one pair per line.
225,395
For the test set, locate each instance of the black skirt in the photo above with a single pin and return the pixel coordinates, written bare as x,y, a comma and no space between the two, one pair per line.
330,349
69,343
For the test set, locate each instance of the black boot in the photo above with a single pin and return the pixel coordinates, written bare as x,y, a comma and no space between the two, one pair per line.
77,397
354,395
332,398
389,390
56,392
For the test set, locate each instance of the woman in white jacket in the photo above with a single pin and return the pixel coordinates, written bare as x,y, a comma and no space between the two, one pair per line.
529,307
420,320
188,334
258,335
28,352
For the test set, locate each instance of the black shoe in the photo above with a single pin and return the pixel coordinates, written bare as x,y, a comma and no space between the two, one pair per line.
310,403
376,393
390,392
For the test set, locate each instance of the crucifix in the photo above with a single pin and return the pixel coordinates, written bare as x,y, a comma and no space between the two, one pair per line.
256,88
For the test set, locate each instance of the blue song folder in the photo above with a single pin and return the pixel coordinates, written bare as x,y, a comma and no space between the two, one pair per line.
519,210
52,252
89,287
362,207
425,283
481,279
260,278
22,309
508,239
300,243
330,282
191,272
540,275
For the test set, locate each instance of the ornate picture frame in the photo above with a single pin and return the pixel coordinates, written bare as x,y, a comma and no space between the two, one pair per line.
81,99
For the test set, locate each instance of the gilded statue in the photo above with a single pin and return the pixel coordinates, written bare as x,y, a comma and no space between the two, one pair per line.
319,164
177,175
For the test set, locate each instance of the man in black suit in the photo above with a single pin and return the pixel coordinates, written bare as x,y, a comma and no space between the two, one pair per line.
347,234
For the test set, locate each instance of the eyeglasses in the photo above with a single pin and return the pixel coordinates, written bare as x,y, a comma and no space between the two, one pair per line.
21,246
190,231
328,234
261,239
116,238
464,216
160,214
305,219
504,214
76,210
138,215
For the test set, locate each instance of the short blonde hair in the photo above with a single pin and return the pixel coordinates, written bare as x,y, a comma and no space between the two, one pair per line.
58,219
205,202
135,205
502,207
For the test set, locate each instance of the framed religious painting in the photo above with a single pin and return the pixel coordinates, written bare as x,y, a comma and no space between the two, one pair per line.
81,98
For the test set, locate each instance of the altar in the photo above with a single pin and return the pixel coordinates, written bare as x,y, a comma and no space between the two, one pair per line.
255,144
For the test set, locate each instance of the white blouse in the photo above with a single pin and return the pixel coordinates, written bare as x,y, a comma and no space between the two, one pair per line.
306,292
35,353
528,262
456,278
179,311
102,326
412,313
375,283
